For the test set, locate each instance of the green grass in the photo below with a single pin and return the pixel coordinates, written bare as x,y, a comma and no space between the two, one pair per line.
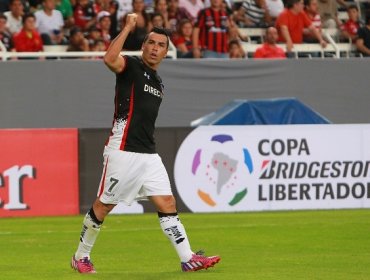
264,245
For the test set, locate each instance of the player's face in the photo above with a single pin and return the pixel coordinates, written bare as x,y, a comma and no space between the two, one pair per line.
154,49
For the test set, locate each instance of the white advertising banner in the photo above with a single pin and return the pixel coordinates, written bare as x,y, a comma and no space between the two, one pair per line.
251,168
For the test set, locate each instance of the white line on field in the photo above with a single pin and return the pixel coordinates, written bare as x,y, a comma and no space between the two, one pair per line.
106,228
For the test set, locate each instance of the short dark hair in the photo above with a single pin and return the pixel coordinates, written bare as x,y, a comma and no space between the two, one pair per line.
156,14
26,16
159,30
307,2
290,3
352,7
74,30
12,1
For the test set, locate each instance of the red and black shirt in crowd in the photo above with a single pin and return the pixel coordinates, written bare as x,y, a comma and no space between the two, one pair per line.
213,30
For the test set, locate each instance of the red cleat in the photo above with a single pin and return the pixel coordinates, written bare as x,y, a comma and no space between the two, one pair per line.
198,262
83,265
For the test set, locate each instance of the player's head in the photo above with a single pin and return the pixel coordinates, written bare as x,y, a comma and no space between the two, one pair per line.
155,46
161,31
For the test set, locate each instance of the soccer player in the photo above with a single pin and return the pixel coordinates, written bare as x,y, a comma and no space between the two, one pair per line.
132,168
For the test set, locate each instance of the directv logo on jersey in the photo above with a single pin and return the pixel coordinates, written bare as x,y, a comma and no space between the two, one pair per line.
153,91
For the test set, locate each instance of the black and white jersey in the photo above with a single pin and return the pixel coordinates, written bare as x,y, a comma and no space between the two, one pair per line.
139,93
253,11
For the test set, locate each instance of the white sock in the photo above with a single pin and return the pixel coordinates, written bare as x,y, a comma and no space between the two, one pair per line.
90,230
175,231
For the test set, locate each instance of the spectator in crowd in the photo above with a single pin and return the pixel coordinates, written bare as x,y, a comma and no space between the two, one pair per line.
363,40
210,33
110,6
28,39
256,12
269,49
240,17
175,15
77,41
350,27
311,9
104,23
97,5
65,7
124,7
236,50
290,25
192,7
94,35
50,23
136,37
31,6
113,10
329,13
157,20
160,7
98,46
103,5
5,36
85,14
274,8
184,42
14,16
226,6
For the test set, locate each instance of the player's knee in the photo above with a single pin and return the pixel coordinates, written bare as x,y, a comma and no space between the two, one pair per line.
101,209
166,204
170,202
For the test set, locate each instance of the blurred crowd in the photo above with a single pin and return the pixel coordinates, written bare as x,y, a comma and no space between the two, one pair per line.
197,28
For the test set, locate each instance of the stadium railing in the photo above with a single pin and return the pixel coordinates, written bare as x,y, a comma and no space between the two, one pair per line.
60,52
333,49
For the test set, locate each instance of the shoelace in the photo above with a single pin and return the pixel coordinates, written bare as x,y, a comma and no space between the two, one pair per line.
200,253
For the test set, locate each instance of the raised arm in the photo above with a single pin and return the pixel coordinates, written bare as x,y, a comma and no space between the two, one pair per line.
112,57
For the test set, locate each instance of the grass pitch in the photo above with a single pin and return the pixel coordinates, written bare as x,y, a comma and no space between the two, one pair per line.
331,244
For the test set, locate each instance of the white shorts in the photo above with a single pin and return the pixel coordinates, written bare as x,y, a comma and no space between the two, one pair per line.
129,176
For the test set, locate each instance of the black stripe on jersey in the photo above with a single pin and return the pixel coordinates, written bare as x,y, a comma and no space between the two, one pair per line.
129,117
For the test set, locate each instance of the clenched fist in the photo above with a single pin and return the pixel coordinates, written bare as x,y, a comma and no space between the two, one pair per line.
131,21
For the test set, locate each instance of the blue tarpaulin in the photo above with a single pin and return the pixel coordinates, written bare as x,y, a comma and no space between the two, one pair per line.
269,111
